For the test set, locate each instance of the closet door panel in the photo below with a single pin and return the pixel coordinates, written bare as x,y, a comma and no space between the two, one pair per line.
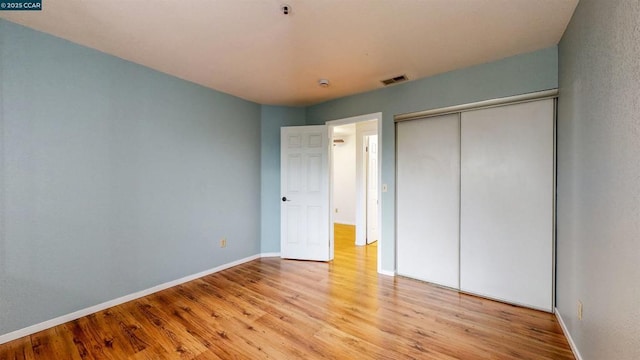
428,195
506,228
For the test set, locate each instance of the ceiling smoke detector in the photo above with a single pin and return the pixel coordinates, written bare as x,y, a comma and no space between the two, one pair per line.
323,83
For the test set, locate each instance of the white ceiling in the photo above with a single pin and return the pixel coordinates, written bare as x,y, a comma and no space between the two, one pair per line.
249,49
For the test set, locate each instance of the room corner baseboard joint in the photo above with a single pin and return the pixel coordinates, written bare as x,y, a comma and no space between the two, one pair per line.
565,330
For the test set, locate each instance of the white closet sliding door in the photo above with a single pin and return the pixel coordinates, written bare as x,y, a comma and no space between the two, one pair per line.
428,195
506,221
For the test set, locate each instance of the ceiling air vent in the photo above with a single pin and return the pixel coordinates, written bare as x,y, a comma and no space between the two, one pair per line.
394,80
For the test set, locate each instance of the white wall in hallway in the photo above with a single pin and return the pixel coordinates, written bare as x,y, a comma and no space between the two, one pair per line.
344,177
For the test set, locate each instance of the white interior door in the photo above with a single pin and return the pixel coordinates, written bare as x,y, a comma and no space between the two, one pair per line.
372,189
506,229
428,195
304,182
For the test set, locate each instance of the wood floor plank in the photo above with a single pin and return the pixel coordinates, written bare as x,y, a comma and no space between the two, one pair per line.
281,309
89,335
216,328
20,349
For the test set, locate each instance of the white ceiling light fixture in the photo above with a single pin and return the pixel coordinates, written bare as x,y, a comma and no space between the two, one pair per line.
323,83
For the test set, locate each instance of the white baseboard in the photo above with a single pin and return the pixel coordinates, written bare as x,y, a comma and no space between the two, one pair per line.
386,272
121,300
271,254
565,330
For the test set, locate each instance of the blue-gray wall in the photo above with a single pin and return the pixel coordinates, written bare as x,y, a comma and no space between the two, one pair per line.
273,117
511,76
598,227
114,178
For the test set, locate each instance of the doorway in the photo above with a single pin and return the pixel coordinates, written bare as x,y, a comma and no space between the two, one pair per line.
355,178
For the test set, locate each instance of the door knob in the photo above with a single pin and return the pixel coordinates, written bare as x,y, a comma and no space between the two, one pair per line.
284,198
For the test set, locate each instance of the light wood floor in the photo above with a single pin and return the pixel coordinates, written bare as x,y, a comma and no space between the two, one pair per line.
277,309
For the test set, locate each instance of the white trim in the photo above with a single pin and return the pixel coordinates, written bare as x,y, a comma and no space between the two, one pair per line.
386,272
565,330
121,300
270,254
355,119
539,95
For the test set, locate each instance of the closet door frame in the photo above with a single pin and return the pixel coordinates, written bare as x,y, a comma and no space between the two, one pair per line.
510,100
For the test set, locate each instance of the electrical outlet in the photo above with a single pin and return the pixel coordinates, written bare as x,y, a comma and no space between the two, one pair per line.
579,310
223,242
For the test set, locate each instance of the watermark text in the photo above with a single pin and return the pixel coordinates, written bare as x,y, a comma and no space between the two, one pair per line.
32,5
